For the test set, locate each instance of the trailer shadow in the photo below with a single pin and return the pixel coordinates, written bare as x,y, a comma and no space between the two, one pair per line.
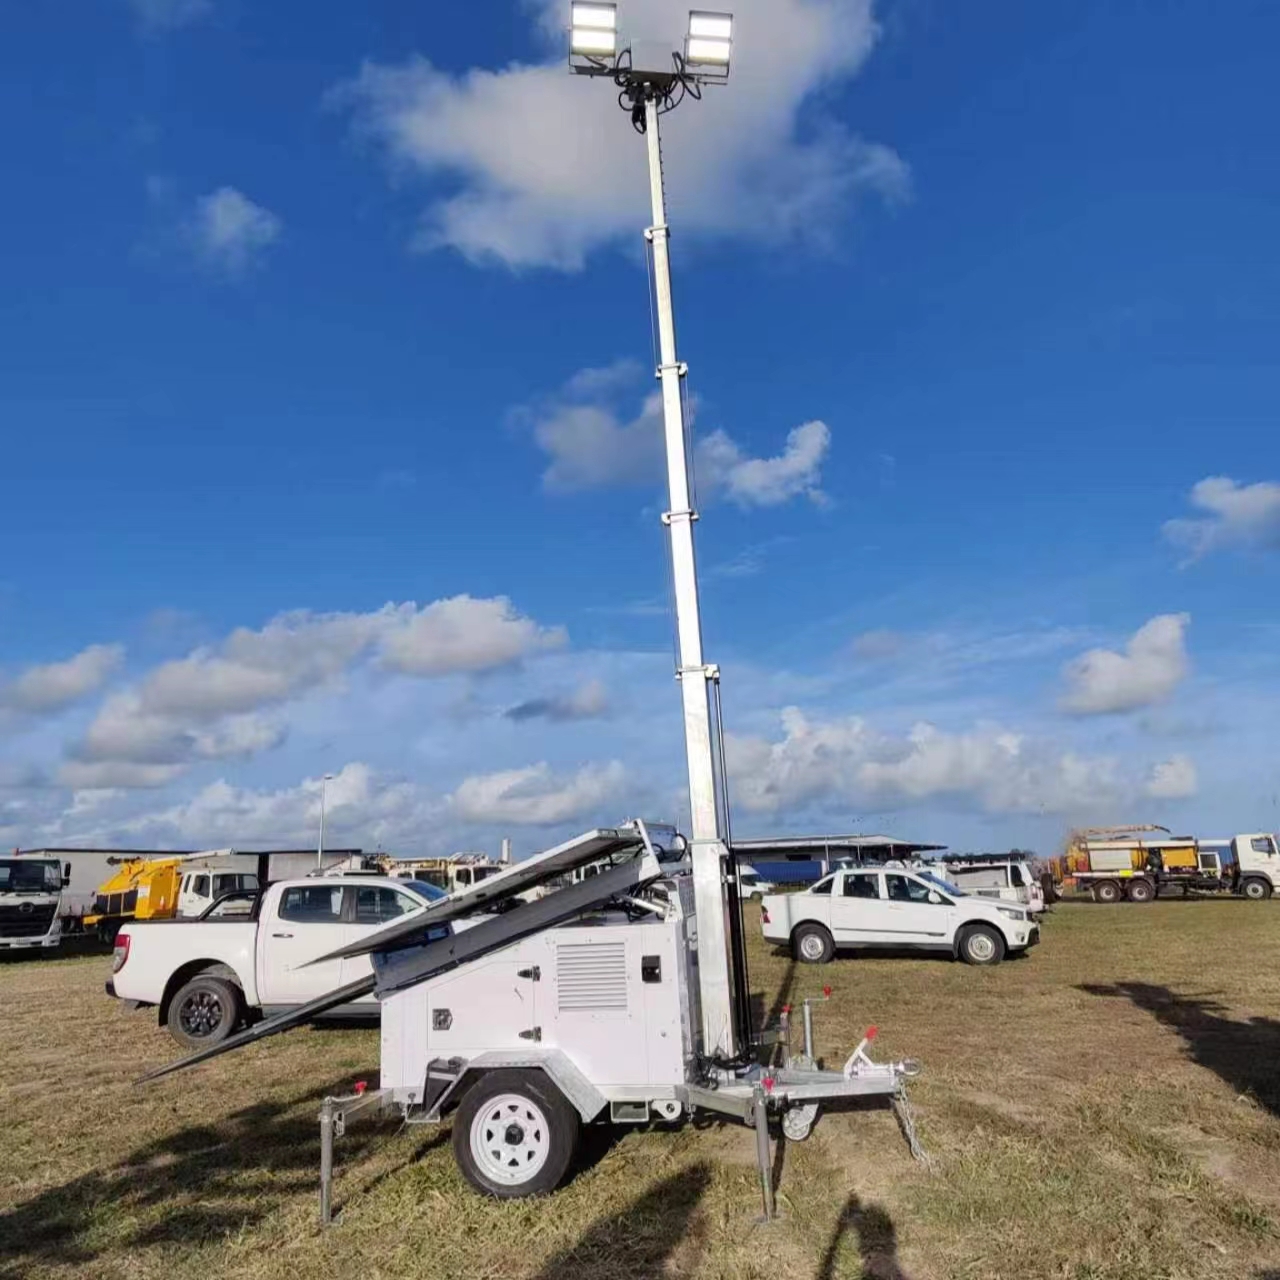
877,1243
1246,1055
200,1183
640,1239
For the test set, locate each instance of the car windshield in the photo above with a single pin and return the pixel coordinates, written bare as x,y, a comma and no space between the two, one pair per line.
25,875
946,885
431,892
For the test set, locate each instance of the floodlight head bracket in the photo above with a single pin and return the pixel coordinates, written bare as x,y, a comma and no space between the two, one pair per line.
638,85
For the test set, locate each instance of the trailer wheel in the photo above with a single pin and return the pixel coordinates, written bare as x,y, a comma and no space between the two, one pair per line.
1256,890
1141,890
812,944
980,944
205,1011
1107,891
514,1134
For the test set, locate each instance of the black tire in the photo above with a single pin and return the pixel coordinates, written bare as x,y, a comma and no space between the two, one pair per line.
1255,890
1141,890
204,1011
981,944
812,944
1107,891
514,1134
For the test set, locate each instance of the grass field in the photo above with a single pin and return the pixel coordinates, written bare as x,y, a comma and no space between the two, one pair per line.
1107,1108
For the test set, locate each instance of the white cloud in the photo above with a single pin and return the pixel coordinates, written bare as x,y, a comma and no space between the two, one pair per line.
167,15
206,705
230,233
1240,515
360,805
464,634
1173,779
767,482
587,703
105,775
537,796
55,685
1153,664
592,443
540,168
848,763
878,645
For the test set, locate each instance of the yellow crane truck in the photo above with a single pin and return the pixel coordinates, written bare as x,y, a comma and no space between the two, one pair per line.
161,889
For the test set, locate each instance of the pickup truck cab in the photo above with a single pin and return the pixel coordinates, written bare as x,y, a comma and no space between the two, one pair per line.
208,976
872,907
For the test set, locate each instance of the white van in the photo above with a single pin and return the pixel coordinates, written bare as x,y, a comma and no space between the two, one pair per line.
751,884
1010,879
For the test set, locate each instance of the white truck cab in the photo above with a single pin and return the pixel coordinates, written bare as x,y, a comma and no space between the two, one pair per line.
897,908
202,887
1257,863
30,889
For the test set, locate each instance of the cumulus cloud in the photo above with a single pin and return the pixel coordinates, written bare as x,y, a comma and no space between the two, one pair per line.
537,796
846,762
360,805
1239,515
592,441
1152,665
52,686
230,233
110,775
1173,779
534,167
208,705
587,703
155,16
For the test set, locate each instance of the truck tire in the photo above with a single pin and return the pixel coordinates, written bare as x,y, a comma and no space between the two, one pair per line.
812,944
1141,890
981,944
204,1011
1107,891
514,1134
1255,889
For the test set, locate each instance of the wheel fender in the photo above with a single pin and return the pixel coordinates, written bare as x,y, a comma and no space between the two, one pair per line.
558,1067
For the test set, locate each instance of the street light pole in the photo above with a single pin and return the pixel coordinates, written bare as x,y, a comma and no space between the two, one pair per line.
324,782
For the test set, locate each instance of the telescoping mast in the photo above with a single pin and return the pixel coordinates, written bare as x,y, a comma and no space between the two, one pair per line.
622,995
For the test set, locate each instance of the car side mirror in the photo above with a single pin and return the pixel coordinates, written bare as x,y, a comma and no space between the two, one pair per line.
934,898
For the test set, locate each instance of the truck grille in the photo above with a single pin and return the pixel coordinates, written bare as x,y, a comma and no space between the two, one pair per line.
592,977
24,920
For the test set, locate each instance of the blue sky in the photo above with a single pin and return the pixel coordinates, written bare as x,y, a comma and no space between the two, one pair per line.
329,446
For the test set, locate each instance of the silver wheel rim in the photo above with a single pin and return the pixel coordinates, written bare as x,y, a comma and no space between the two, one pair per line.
510,1139
811,947
980,947
1253,890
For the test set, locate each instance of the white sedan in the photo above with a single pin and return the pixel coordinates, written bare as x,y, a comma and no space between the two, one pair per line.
870,907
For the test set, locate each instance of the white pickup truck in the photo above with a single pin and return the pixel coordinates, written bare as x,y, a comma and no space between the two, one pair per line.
881,907
207,976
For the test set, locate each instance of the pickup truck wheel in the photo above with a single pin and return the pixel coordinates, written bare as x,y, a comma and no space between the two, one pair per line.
812,944
514,1134
980,944
204,1012
1141,890
1255,889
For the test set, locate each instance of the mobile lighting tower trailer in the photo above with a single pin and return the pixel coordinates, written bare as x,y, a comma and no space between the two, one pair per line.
621,996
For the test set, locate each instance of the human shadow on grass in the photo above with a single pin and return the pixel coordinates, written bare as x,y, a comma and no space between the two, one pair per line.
201,1183
1244,1054
639,1240
876,1240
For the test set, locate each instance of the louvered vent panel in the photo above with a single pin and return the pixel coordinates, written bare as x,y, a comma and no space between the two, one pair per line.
592,978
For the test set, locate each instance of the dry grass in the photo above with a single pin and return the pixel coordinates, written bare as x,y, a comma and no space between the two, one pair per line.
1106,1109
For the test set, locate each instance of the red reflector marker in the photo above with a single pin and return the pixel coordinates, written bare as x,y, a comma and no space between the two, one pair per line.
826,991
361,1086
872,1032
